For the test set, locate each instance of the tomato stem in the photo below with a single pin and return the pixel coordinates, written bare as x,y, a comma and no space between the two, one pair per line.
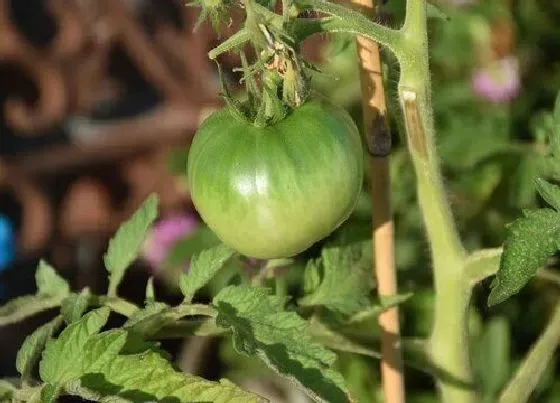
281,285
449,341
343,19
234,42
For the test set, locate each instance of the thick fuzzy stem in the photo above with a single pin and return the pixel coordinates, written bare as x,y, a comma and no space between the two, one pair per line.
449,346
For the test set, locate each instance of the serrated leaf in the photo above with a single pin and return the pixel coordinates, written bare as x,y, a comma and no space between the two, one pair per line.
28,305
261,326
203,267
149,320
148,377
76,388
62,358
101,349
49,393
32,347
377,309
49,282
531,241
345,285
549,192
74,306
125,245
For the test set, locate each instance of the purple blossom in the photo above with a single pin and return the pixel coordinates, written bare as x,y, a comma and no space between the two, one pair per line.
163,236
499,82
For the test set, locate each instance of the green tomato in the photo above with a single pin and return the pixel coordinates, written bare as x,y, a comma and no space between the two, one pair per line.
272,192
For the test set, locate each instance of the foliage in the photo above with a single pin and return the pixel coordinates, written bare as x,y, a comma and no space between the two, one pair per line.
533,239
120,363
312,321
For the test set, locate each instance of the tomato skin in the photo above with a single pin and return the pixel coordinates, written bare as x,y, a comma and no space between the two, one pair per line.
272,192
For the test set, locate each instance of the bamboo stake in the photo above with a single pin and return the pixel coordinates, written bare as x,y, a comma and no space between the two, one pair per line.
379,145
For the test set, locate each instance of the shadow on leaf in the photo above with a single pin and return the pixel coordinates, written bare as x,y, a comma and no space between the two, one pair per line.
287,360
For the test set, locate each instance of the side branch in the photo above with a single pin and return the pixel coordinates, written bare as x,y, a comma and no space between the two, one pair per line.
526,378
343,19
486,262
232,43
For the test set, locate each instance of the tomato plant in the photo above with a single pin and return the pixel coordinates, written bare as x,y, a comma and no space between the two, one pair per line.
273,191
273,172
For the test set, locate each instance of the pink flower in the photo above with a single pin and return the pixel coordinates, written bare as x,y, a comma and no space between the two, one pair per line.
500,82
163,236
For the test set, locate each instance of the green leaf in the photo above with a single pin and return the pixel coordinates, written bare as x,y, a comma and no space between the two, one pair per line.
149,320
261,326
147,376
49,282
125,245
203,267
62,358
531,241
49,393
549,192
76,388
377,309
101,349
28,305
146,312
74,306
346,280
32,347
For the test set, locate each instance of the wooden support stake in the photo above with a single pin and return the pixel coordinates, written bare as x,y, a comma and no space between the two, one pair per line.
379,144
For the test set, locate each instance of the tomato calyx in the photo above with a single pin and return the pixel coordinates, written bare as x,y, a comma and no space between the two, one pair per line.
275,83
276,79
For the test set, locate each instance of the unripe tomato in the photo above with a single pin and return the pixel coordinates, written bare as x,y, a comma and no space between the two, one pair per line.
271,192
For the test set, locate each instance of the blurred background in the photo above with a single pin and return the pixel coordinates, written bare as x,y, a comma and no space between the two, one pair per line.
99,100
